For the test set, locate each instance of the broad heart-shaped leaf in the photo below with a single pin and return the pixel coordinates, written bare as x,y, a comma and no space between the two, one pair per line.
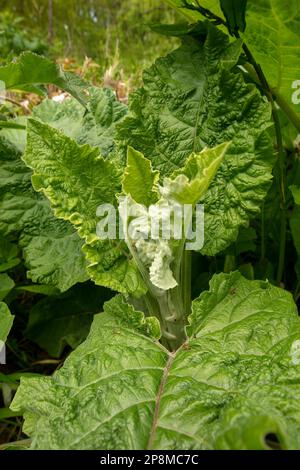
94,126
30,70
191,100
65,319
234,382
77,180
6,321
272,35
51,247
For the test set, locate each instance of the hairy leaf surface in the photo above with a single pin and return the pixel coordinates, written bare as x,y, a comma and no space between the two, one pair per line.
77,180
235,381
51,248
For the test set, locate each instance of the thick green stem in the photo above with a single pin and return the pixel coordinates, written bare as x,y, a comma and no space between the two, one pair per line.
173,317
167,308
173,302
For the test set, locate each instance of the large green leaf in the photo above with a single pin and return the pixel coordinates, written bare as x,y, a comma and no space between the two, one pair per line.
272,35
98,126
94,126
191,99
31,70
66,115
6,321
65,319
17,136
77,180
232,384
51,248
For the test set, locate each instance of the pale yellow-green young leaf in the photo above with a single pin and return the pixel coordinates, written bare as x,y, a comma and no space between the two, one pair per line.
188,184
140,181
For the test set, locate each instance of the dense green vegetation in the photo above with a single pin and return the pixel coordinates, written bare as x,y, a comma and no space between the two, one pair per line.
139,340
110,32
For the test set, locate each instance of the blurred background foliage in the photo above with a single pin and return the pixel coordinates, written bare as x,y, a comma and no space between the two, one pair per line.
108,39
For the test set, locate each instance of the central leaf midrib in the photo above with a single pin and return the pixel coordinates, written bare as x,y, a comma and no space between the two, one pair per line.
158,400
